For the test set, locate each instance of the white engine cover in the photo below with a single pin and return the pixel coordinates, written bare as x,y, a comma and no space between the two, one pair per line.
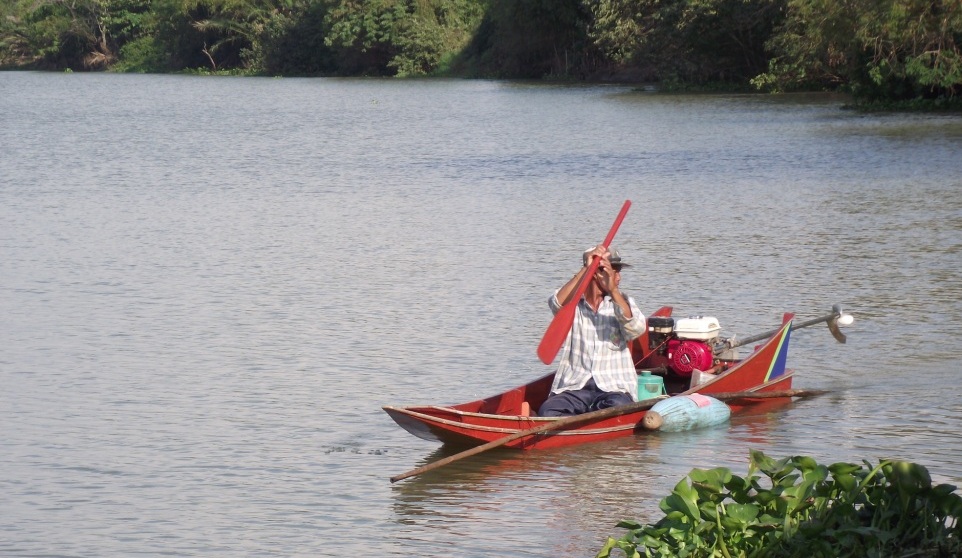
702,328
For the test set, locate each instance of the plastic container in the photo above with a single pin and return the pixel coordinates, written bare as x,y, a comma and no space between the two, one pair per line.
698,378
650,386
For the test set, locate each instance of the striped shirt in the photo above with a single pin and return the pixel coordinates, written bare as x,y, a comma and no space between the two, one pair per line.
597,347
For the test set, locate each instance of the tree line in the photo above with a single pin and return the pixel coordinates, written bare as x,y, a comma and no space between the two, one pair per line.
877,50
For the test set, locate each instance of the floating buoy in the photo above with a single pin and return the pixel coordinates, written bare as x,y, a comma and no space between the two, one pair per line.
686,412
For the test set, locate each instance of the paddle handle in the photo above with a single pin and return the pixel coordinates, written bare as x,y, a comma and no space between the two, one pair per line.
554,337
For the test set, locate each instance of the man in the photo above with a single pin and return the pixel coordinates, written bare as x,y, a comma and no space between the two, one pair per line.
596,369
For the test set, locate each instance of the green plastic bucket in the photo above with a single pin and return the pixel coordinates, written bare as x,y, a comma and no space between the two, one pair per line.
650,385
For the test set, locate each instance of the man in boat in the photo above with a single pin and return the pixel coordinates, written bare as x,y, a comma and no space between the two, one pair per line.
596,369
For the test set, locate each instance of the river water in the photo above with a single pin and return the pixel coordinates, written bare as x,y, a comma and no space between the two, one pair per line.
210,286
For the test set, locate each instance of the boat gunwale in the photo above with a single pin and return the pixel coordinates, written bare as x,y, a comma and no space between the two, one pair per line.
430,419
518,418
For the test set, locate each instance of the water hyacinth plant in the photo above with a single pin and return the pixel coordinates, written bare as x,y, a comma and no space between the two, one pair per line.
794,507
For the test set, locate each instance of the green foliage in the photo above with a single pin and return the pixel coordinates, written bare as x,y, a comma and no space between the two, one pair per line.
44,36
531,39
126,20
399,37
177,35
294,44
688,41
886,53
233,30
17,45
795,507
367,35
879,50
80,34
142,55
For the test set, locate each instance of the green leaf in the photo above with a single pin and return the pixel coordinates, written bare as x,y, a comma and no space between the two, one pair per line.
846,481
684,490
737,484
761,462
765,497
742,512
708,510
816,474
684,505
804,463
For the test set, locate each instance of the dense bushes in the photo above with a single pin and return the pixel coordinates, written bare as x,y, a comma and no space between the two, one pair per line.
530,39
798,508
692,41
886,50
878,50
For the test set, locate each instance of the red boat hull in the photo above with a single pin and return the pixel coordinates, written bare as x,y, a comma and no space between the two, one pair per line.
492,418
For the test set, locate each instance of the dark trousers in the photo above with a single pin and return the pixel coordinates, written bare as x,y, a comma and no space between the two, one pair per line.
575,402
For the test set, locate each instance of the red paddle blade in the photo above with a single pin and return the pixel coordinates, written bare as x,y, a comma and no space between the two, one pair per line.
556,333
554,337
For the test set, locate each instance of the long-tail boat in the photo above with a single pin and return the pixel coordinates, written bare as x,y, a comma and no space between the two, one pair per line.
688,354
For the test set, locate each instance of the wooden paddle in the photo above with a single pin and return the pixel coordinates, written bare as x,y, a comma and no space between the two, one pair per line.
554,337
593,416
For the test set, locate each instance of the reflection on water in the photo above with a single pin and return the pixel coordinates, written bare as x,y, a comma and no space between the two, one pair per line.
209,287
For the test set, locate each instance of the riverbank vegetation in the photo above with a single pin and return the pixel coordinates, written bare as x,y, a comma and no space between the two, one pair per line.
880,51
795,507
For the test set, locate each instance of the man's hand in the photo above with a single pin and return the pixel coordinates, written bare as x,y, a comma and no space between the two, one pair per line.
607,277
598,250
